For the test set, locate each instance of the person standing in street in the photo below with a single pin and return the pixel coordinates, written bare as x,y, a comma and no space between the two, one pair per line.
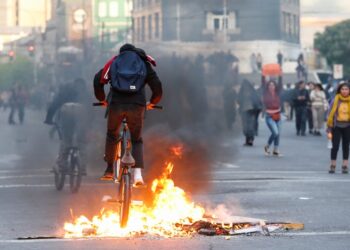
280,58
272,104
259,61
249,107
230,105
253,63
301,100
319,105
310,118
338,123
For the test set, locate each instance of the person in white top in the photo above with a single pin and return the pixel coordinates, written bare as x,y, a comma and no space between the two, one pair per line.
319,106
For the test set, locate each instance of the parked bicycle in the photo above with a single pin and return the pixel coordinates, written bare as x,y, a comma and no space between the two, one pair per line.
122,169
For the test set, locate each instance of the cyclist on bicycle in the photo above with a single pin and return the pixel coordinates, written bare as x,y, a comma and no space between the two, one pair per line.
70,105
131,106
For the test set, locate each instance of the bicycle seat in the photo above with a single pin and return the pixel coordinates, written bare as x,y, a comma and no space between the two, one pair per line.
128,160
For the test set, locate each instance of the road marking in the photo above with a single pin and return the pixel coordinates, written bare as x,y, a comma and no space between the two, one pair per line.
318,233
26,185
25,176
287,234
257,172
50,185
279,180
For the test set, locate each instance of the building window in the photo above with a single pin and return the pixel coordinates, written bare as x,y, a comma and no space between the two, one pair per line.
218,21
150,27
113,9
156,29
143,27
102,9
128,8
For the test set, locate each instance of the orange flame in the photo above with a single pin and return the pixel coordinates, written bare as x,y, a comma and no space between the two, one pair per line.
171,206
177,150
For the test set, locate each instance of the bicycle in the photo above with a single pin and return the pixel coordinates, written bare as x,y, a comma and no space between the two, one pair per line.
73,169
122,165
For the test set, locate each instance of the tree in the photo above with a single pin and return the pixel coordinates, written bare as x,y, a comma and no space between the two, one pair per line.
19,70
334,44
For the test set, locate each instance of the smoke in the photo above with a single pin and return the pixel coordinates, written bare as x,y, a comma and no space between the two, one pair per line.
189,119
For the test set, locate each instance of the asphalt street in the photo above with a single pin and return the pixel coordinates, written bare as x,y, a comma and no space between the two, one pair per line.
293,188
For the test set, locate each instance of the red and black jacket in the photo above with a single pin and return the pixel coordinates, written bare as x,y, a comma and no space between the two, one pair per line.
103,77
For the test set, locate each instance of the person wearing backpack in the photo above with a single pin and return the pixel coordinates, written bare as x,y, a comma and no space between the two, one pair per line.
128,73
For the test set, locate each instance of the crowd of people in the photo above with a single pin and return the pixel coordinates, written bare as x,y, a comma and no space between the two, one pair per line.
310,105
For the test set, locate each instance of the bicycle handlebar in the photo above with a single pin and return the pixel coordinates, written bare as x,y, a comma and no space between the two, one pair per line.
105,105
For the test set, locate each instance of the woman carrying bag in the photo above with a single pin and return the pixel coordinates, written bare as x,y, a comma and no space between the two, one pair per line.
271,92
338,123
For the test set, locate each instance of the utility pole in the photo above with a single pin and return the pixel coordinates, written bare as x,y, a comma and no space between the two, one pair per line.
178,21
225,20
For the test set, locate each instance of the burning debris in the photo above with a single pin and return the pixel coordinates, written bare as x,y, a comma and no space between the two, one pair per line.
171,214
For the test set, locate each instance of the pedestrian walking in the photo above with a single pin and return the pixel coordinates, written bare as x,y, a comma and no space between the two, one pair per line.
301,100
319,105
338,123
259,61
253,63
272,105
230,105
287,98
310,118
249,107
280,58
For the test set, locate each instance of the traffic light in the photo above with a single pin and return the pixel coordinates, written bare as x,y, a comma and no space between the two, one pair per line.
11,55
31,50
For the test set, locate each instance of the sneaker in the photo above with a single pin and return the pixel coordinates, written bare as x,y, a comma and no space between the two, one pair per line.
344,170
267,150
108,174
332,169
138,180
276,153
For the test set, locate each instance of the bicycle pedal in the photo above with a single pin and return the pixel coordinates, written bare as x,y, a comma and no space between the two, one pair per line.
113,201
136,203
104,178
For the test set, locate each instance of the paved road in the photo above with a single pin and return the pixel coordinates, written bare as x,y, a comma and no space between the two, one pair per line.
295,187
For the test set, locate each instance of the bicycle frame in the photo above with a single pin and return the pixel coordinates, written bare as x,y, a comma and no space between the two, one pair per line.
124,146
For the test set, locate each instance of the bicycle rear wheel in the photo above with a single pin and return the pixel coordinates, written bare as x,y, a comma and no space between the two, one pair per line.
60,177
124,199
75,175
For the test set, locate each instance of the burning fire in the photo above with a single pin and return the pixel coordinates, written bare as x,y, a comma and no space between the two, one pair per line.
170,208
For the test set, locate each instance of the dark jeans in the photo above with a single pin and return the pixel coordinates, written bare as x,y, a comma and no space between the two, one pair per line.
310,119
72,124
300,119
20,109
134,115
249,124
344,135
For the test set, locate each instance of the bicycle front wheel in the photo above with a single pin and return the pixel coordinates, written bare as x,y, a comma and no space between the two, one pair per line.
75,175
124,199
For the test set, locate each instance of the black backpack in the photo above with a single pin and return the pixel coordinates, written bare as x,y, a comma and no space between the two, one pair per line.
128,72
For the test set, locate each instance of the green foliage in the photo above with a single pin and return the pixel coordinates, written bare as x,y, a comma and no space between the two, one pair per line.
334,44
19,70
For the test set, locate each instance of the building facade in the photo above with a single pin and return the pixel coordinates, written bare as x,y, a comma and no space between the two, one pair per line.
19,18
241,26
112,22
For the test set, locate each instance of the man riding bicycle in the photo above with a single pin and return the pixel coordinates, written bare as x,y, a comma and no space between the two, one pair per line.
70,104
127,104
